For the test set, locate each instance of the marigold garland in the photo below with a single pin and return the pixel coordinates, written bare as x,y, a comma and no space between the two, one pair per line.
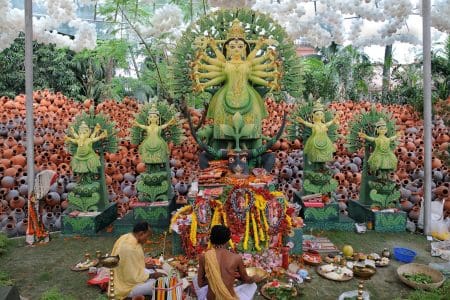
255,234
247,224
177,214
193,231
256,219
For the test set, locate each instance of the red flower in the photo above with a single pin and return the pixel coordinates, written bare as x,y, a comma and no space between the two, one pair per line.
275,283
235,238
290,211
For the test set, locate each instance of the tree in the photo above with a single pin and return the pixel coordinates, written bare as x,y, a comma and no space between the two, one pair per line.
440,69
51,69
95,69
339,73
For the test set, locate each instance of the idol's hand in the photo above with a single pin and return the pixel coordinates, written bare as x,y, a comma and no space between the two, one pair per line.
300,120
336,119
200,87
261,41
212,42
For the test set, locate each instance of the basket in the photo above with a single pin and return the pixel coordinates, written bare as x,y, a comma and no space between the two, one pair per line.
404,254
436,276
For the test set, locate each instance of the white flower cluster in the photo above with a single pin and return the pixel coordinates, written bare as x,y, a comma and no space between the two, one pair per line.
167,19
230,3
12,23
59,12
322,22
440,15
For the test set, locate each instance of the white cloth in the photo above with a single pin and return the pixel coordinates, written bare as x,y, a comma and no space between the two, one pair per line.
144,289
244,291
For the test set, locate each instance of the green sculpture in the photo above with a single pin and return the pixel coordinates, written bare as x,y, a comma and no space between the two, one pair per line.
85,159
154,149
378,130
319,135
236,70
232,59
154,184
382,157
89,134
318,147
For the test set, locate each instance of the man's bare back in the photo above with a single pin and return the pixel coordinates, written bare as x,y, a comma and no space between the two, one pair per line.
231,266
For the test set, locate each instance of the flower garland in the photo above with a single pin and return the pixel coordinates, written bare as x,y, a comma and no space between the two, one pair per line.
251,231
193,231
248,194
176,216
255,224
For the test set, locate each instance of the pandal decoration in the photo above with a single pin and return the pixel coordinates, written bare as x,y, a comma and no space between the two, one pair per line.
257,219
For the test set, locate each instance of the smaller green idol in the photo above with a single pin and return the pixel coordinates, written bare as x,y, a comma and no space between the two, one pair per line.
382,157
154,149
319,147
85,159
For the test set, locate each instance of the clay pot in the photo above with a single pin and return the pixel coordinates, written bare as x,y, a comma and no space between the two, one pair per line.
414,213
8,182
17,202
48,219
141,168
441,192
406,205
18,214
22,227
10,230
286,172
52,199
436,163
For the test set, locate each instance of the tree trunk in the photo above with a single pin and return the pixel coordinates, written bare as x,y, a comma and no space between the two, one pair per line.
386,72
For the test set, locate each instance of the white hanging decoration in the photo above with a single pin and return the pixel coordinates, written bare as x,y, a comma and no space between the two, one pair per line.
167,19
440,15
59,12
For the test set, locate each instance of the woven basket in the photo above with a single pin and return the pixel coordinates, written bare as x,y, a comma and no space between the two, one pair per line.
413,268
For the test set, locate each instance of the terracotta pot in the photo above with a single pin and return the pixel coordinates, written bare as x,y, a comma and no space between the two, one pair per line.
10,230
436,163
8,182
441,192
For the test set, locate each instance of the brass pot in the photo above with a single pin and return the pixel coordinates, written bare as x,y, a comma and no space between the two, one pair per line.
109,261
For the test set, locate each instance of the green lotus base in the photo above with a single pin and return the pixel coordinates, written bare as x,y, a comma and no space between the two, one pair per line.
382,221
158,216
344,223
88,225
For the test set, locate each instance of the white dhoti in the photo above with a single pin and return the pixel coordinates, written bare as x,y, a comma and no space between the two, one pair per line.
144,289
244,291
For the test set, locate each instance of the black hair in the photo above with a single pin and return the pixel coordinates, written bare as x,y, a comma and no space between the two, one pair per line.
247,46
220,234
141,227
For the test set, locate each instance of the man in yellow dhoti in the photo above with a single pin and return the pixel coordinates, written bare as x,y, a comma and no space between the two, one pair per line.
217,270
131,278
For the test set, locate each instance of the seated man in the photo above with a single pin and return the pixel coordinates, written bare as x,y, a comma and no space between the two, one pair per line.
217,268
131,278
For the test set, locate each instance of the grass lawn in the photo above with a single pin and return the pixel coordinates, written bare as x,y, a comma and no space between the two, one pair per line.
35,270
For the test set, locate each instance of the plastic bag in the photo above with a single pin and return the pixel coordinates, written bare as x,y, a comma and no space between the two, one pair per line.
439,230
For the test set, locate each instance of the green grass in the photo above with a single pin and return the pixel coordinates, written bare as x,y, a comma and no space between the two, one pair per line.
44,270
